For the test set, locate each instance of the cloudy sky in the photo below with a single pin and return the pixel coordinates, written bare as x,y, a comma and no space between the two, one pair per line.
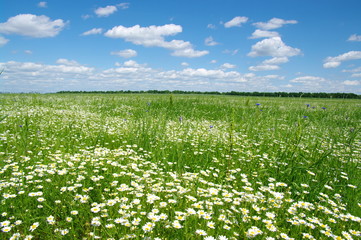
213,45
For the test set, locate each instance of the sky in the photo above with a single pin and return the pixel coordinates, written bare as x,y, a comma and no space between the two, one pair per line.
190,45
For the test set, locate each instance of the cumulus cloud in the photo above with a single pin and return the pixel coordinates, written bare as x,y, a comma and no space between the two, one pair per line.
351,83
273,47
153,36
358,69
105,11
92,32
64,61
355,38
263,34
3,41
269,64
127,53
189,52
71,75
273,23
356,75
309,80
32,26
264,67
228,66
333,62
42,4
123,5
210,42
236,22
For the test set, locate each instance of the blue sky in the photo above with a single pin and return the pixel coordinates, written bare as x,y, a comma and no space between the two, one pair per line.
213,45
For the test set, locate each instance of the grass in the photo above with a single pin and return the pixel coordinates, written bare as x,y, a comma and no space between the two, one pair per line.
94,166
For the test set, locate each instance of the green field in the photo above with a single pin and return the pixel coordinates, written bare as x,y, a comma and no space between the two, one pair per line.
142,166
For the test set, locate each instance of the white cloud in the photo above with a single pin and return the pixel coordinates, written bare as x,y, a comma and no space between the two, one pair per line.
71,75
308,80
263,34
29,76
232,52
92,32
66,62
28,52
210,42
228,66
351,83
236,22
153,36
86,16
276,60
273,23
355,38
185,64
147,36
269,64
356,75
105,11
332,62
264,67
189,52
42,4
32,26
3,41
127,53
352,70
123,5
274,47
211,26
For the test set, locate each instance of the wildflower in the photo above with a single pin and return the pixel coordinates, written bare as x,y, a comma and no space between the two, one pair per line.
74,212
34,226
201,232
110,225
307,236
176,224
148,227
50,220
18,222
222,237
209,238
95,209
15,236
5,223
64,231
6,229
211,225
253,232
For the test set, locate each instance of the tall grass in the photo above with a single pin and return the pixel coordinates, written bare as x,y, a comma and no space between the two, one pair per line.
179,167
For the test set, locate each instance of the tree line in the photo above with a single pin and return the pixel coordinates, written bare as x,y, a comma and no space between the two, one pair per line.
234,93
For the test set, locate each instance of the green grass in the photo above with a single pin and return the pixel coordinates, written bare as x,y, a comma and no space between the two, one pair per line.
179,166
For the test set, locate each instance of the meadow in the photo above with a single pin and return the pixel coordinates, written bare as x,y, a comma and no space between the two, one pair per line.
143,166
